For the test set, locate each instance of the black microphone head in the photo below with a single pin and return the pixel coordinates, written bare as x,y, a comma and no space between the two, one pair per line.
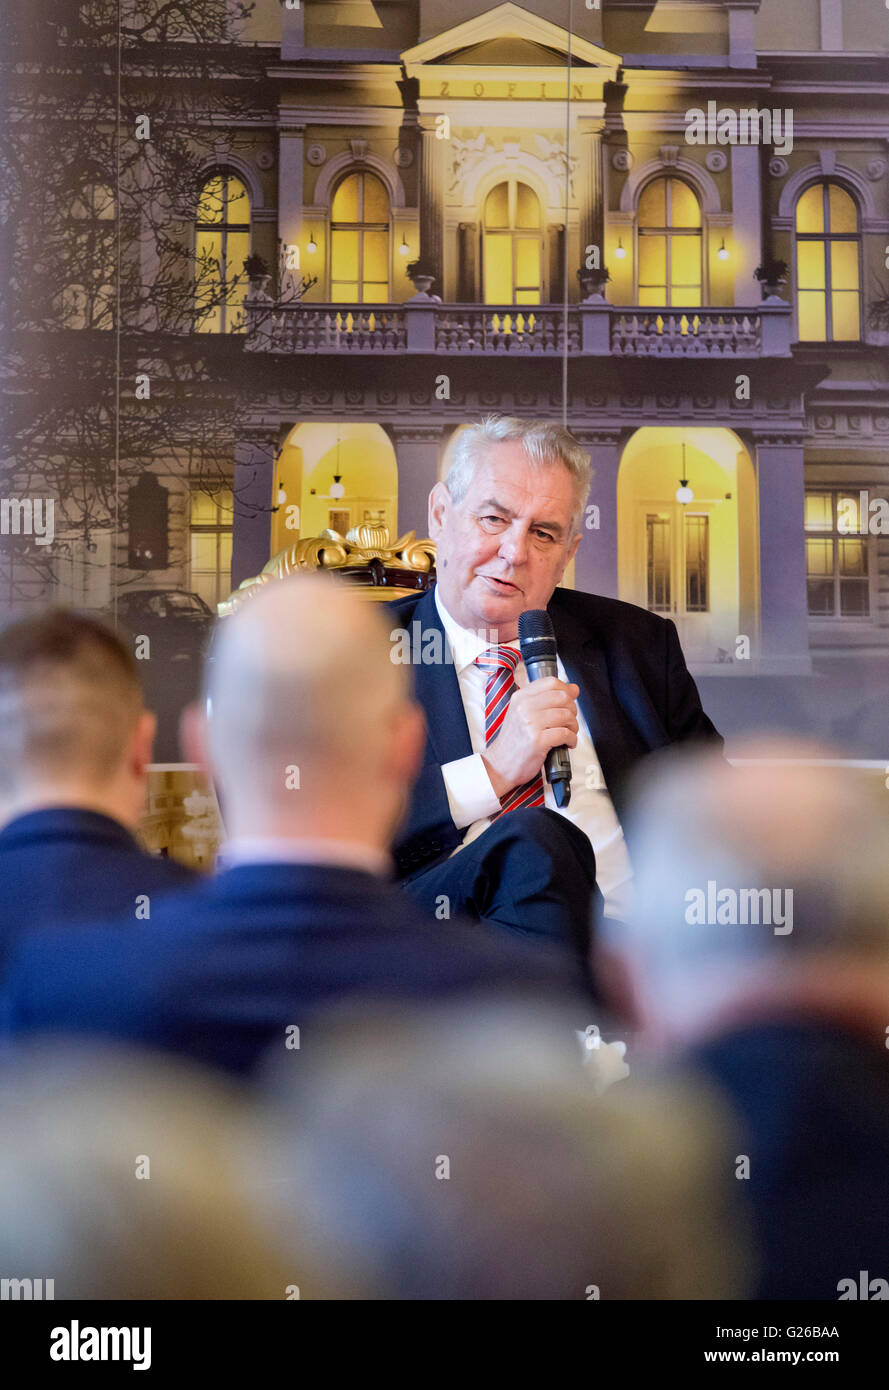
537,638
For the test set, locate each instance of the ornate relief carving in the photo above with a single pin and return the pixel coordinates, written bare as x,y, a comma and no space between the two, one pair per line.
557,160
466,154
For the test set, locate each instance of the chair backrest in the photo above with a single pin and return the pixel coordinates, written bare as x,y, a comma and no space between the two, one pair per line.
379,568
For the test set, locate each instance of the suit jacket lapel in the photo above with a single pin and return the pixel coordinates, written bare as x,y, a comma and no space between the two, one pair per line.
585,665
436,686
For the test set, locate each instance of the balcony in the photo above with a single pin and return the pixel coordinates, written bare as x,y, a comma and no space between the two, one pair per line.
467,330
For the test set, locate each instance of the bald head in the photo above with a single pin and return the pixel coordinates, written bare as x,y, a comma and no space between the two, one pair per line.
309,715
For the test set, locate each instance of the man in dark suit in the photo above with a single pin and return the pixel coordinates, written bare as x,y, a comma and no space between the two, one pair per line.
758,960
75,744
507,521
313,743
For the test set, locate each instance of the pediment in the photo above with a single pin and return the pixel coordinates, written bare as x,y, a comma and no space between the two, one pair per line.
510,36
510,52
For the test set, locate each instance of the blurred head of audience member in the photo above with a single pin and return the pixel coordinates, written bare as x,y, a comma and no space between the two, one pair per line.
762,891
308,727
124,1177
73,729
456,1153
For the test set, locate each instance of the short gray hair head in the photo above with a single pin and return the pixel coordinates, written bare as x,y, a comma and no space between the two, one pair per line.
785,820
544,443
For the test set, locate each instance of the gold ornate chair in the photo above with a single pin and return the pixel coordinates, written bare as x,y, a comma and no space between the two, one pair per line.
365,557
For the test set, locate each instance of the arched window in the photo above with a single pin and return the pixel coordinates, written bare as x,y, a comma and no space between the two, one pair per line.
222,244
359,241
669,244
512,258
87,300
827,265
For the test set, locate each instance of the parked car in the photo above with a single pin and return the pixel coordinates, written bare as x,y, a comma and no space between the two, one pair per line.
177,623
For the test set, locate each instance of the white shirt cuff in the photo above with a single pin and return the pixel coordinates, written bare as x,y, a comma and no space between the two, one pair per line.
470,794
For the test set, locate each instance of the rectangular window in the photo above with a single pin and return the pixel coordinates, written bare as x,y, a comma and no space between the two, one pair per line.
210,538
697,563
657,537
837,556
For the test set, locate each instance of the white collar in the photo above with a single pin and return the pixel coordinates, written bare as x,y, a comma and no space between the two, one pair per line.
466,643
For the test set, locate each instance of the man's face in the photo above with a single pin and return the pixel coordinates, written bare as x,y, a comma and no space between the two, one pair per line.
504,548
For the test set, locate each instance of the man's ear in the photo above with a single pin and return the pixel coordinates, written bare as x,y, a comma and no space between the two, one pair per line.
142,744
439,502
569,555
194,736
408,741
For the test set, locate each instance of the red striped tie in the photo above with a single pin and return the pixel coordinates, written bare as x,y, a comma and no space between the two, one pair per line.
500,664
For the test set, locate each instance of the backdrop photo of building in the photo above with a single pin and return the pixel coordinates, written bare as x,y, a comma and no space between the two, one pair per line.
729,375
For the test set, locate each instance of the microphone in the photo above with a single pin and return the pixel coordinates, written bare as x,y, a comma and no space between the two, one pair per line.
537,642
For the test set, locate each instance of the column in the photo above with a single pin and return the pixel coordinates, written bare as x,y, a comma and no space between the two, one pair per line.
431,197
467,278
418,451
255,453
293,41
595,565
784,626
291,141
742,33
592,208
831,25
746,223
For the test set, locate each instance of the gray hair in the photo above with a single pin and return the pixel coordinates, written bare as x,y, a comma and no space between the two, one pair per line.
631,1191
543,442
798,846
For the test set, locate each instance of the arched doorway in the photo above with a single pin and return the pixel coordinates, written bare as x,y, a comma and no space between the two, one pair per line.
361,455
694,560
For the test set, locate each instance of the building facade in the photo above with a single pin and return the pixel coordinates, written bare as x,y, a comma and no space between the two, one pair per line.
514,154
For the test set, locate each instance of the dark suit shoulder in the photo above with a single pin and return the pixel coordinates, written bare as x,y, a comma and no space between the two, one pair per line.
400,610
607,614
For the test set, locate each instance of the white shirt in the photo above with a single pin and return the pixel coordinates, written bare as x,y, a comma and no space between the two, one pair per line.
472,798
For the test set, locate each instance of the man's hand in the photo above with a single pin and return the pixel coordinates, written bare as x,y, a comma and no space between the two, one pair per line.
541,716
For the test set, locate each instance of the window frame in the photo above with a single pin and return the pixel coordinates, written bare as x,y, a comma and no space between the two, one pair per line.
514,233
827,238
360,228
218,529
225,228
868,619
667,174
96,242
